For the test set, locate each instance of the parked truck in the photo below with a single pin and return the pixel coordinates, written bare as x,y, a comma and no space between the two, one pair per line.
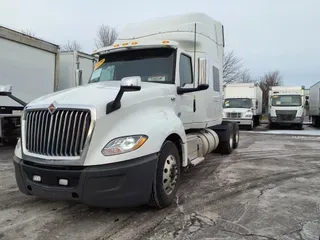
75,69
152,108
243,104
286,106
29,65
314,104
34,67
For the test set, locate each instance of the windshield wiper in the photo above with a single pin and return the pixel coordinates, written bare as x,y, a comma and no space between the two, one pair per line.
94,80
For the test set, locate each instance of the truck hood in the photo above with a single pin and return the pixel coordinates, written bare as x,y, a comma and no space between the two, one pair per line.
99,94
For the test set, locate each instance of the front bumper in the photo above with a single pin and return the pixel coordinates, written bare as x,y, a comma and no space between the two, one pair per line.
122,184
240,121
297,120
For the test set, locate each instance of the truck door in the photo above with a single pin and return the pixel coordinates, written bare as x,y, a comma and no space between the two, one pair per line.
184,104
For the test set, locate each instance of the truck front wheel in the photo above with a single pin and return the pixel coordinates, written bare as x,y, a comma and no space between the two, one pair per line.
167,177
300,126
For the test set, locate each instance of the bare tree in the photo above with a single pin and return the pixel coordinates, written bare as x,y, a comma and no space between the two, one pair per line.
232,69
28,32
106,36
245,77
268,80
71,46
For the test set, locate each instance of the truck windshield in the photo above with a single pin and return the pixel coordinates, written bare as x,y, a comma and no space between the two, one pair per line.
286,100
237,103
152,65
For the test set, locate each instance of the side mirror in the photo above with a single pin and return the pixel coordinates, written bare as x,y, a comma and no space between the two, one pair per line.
307,97
203,71
78,77
5,90
129,84
202,87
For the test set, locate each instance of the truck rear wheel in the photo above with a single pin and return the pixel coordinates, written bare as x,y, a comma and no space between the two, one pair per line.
227,146
167,177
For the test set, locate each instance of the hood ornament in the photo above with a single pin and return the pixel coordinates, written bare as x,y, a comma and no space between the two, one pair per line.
52,107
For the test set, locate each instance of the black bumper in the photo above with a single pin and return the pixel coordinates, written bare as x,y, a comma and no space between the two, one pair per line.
281,121
123,184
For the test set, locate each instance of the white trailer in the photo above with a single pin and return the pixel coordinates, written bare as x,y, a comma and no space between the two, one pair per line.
286,106
314,104
75,68
153,108
243,104
30,66
34,68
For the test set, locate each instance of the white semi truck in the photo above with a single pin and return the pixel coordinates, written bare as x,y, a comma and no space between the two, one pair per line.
243,104
286,106
153,108
314,104
34,67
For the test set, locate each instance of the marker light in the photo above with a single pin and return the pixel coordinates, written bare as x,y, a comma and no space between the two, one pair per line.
63,182
36,178
116,45
165,42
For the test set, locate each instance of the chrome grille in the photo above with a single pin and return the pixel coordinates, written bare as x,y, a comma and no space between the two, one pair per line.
63,133
233,115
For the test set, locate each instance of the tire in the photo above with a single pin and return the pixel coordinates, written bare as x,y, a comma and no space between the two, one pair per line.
271,125
227,146
316,121
300,126
161,195
313,121
236,136
258,120
250,127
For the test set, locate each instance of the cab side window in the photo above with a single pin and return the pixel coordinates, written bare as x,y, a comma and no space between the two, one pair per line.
185,70
216,79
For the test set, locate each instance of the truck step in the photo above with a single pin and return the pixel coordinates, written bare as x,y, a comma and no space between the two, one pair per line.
197,160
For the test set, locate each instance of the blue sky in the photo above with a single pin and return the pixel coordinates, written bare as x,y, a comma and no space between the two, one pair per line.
267,34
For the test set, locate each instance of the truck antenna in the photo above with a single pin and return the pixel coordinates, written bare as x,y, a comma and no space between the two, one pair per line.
194,50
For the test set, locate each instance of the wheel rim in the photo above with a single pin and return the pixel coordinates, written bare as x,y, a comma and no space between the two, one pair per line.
231,141
170,174
237,137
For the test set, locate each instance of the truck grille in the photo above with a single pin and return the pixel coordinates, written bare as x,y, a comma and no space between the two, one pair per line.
63,133
233,115
286,115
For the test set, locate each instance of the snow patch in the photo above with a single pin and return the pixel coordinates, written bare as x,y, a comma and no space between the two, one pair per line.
290,132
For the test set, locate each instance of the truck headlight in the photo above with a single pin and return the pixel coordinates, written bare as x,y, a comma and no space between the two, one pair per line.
123,145
248,115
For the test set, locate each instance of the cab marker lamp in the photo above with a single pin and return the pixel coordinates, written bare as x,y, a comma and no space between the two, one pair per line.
124,144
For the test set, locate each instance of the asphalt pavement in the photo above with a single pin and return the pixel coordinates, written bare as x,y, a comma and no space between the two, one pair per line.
268,188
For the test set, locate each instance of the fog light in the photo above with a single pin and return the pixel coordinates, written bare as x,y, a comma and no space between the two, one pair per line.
36,178
63,182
